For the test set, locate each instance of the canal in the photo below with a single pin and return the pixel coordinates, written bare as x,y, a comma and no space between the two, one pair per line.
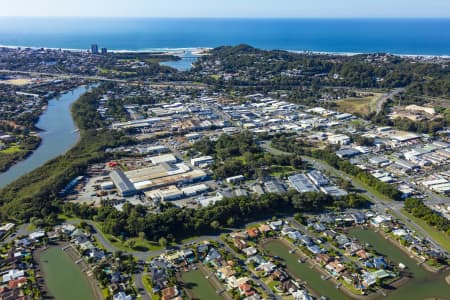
304,272
63,278
423,285
58,135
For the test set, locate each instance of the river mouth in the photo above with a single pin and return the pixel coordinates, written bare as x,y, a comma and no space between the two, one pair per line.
185,63
58,134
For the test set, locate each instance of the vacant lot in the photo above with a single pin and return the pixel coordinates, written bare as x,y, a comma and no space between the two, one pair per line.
17,81
198,286
359,105
63,278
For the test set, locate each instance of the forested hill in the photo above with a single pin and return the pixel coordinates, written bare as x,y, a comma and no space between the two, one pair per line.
280,68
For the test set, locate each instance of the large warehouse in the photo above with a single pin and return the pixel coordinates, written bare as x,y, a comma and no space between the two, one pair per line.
155,177
124,186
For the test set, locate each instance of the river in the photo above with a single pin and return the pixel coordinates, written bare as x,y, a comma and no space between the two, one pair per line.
58,135
187,58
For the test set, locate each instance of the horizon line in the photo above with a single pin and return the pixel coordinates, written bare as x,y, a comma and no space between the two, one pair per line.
238,17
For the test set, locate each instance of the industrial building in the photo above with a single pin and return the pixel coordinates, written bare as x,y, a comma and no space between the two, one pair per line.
155,177
273,186
165,158
195,190
200,161
347,153
165,194
333,191
235,179
318,178
123,184
153,149
301,183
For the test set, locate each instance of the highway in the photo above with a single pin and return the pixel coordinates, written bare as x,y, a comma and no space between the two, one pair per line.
62,76
382,101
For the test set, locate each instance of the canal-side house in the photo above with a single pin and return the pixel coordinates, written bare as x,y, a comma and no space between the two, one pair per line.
335,267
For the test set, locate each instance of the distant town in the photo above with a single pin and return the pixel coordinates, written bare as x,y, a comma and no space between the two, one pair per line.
253,175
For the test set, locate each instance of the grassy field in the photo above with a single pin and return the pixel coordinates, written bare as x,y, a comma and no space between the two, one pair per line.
63,278
362,105
278,171
196,283
439,236
140,244
11,150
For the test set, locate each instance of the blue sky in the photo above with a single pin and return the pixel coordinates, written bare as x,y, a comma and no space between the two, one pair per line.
230,8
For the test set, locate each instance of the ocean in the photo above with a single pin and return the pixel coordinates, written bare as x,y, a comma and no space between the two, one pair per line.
397,36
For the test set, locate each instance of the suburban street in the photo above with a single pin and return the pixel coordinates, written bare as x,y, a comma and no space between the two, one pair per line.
139,282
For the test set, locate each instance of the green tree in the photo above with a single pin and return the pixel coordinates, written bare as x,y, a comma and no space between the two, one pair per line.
162,242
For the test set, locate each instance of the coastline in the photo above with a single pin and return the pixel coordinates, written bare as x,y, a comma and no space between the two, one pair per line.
199,51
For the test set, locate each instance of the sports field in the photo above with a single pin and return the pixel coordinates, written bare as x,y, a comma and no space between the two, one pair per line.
63,278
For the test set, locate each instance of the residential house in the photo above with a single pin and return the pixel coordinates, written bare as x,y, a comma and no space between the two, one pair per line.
280,275
276,225
246,290
225,272
122,296
250,251
266,267
252,232
169,293
323,258
264,228
335,267
240,243
295,235
213,256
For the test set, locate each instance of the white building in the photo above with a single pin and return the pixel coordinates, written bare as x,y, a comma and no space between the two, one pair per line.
204,160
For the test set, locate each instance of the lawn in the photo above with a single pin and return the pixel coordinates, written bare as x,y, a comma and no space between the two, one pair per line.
63,278
362,105
140,245
278,171
439,236
197,285
11,150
